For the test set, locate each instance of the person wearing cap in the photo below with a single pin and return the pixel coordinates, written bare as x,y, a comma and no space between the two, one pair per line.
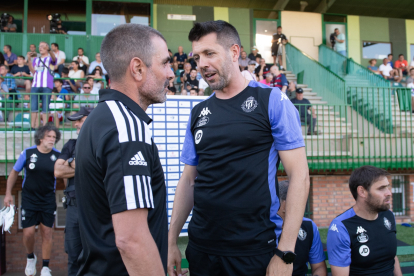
249,72
254,54
303,105
65,168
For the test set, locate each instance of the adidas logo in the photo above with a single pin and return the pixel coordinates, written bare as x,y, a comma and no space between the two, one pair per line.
138,159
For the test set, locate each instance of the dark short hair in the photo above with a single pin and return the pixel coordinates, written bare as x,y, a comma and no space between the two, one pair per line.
5,66
75,61
56,45
125,42
411,69
41,131
227,34
20,57
371,60
59,80
193,69
283,189
88,78
279,27
390,55
336,29
65,70
400,55
80,48
8,46
33,45
365,176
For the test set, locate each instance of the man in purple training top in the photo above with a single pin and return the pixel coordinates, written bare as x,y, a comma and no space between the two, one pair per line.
42,83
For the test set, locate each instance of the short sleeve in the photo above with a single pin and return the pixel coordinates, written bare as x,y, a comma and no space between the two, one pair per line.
188,154
284,122
66,153
316,254
127,166
339,245
284,80
21,162
62,55
53,62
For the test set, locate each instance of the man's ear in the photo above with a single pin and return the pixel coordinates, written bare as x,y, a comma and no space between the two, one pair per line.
362,192
137,69
235,52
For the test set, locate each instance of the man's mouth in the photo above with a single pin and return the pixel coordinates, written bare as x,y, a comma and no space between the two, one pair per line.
209,76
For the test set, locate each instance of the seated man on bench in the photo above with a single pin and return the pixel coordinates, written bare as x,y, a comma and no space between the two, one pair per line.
303,105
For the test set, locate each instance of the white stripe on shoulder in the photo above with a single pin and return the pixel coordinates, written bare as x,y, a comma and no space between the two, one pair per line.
139,128
129,192
131,122
119,120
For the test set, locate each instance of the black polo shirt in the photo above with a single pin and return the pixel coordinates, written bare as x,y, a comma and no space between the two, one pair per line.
117,169
68,151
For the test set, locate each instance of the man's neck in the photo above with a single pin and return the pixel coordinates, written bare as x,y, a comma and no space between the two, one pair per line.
363,211
20,65
191,78
43,149
130,92
8,54
56,51
44,55
237,84
59,89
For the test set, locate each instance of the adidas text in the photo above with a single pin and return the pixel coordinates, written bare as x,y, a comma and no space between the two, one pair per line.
138,159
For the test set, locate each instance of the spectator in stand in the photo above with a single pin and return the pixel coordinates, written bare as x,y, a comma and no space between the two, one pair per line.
9,57
82,60
387,72
291,93
22,70
2,60
304,105
10,27
262,69
186,73
60,57
340,44
42,82
69,85
97,75
243,61
76,73
180,59
94,90
374,69
171,87
279,79
55,106
401,65
11,83
170,53
97,62
390,57
86,99
193,92
268,79
60,29
249,73
410,84
202,86
277,43
32,53
411,64
191,82
254,54
241,50
192,61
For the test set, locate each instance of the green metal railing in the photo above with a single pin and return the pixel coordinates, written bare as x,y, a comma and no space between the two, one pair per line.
327,84
353,73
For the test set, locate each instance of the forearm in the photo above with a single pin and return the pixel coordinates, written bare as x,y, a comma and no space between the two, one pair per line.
284,89
11,180
397,268
29,61
64,171
319,269
52,55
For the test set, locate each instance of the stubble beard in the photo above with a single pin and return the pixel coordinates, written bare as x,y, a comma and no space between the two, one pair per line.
377,206
151,92
224,76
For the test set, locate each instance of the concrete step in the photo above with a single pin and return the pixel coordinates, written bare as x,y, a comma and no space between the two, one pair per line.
317,102
302,85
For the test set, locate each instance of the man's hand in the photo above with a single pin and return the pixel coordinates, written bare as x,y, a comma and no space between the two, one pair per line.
8,200
174,260
277,267
73,164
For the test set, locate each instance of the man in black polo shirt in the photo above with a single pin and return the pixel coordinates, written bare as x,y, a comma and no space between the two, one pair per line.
306,111
120,187
65,168
277,43
362,240
233,145
308,247
180,59
38,194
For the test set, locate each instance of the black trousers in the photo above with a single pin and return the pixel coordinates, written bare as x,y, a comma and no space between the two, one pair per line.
203,264
73,245
310,121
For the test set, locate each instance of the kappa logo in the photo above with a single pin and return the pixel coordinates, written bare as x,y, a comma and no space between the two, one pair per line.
360,230
204,112
138,159
249,105
387,223
302,234
334,228
284,97
33,158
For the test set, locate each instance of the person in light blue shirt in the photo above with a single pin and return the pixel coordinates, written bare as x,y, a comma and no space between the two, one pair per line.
340,42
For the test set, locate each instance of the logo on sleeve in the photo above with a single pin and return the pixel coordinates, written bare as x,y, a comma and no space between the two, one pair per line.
364,250
387,223
138,159
249,105
302,234
33,158
198,136
284,97
204,112
334,228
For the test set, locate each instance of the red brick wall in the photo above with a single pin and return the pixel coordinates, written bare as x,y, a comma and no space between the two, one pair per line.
15,251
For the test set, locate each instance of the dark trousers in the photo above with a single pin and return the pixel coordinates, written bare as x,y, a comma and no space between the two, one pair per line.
311,122
73,245
203,264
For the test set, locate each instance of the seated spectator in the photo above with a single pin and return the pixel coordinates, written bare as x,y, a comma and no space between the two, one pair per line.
191,82
308,248
410,77
33,53
254,54
97,76
76,73
410,84
193,92
372,67
390,62
291,93
411,64
387,72
82,60
10,59
170,53
94,89
63,93
86,99
69,85
10,26
2,60
95,63
11,83
60,29
22,70
180,59
304,105
249,73
4,94
171,87
243,61
60,58
279,79
401,65
56,103
202,86
192,61
257,60
268,79
262,69
184,75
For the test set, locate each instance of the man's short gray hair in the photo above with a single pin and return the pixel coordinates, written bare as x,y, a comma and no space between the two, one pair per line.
283,189
125,42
